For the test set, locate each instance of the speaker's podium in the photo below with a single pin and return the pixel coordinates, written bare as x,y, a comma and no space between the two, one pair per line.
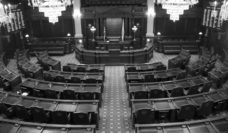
113,50
113,42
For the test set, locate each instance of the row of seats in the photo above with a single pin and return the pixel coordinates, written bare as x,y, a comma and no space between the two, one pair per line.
219,75
179,61
212,125
205,64
27,68
179,109
144,67
17,126
93,68
47,62
31,109
176,88
53,90
7,78
72,77
155,76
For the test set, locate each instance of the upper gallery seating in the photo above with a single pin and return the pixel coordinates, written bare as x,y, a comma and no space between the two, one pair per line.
38,110
144,67
73,77
54,46
205,64
169,45
175,88
8,79
53,90
211,125
47,62
155,76
199,106
92,68
27,68
180,61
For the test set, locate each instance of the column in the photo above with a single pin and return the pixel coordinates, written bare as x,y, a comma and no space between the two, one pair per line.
150,18
77,18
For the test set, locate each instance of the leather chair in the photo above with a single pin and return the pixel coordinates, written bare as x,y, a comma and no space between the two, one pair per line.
131,69
144,116
51,94
157,93
86,96
75,80
59,117
207,87
81,118
21,112
39,115
205,109
176,92
47,77
186,112
81,69
140,95
68,94
37,93
7,86
91,80
67,69
193,90
60,79
149,78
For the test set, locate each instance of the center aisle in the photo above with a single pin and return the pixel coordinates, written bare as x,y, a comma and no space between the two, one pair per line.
115,111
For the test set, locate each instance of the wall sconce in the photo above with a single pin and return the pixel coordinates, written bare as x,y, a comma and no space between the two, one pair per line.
134,29
68,35
158,35
93,30
200,35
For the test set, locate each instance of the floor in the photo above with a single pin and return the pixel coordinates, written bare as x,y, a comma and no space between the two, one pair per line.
115,111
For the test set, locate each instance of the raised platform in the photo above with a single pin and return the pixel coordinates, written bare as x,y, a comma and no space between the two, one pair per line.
114,56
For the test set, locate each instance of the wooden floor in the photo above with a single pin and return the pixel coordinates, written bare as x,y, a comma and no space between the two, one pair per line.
115,111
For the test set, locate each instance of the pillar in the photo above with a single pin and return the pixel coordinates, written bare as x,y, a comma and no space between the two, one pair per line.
77,18
150,18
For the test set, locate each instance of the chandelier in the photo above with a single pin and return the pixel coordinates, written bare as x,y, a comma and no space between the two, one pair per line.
223,15
5,14
51,8
175,8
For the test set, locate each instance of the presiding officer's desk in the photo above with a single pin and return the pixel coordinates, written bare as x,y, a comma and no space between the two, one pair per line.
113,56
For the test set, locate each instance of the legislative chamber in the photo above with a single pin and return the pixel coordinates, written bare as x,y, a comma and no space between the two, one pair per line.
113,66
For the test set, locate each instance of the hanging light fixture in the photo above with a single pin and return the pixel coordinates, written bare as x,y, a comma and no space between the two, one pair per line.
175,8
223,15
5,14
51,8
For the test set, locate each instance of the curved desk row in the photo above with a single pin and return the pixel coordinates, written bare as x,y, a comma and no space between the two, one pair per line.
144,67
15,126
150,111
212,125
113,56
54,90
48,111
176,88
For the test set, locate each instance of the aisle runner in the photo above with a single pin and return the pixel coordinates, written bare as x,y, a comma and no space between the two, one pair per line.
115,111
